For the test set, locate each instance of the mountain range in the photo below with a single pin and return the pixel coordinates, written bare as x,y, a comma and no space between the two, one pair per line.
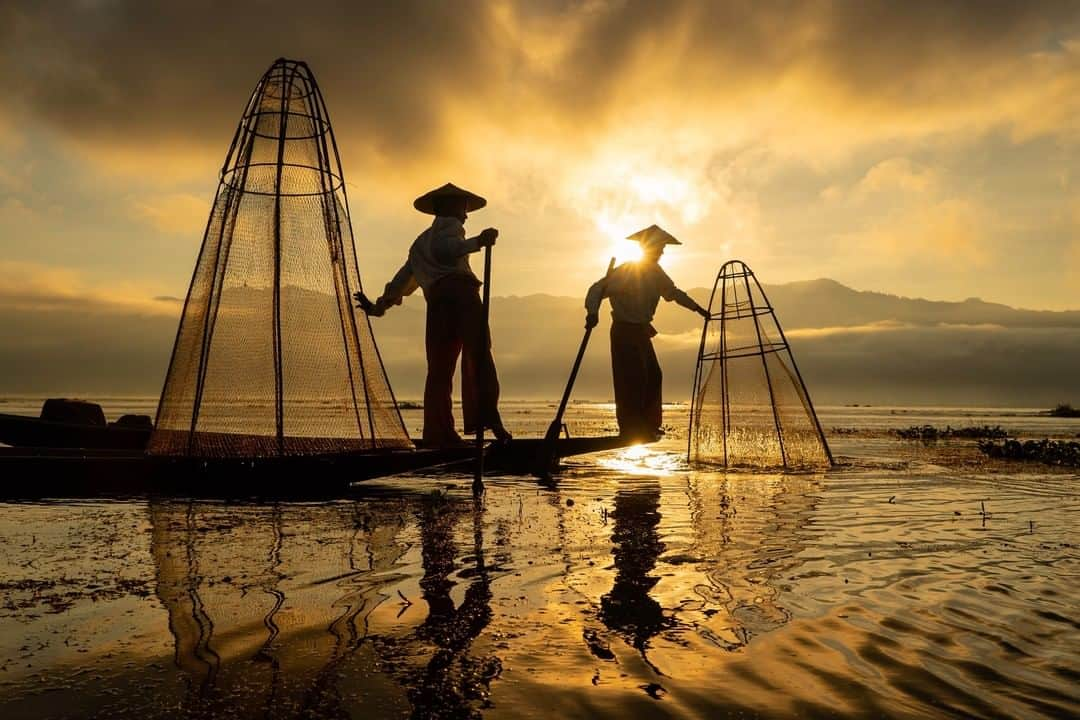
852,347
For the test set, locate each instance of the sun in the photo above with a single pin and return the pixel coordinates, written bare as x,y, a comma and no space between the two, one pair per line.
643,196
614,227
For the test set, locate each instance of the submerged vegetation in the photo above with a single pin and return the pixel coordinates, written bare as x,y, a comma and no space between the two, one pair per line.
1065,410
1064,453
929,433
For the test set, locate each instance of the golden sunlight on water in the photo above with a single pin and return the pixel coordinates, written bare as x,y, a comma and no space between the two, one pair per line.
642,460
778,594
634,586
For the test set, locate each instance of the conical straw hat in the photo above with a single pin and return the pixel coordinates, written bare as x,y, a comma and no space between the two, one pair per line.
654,235
426,202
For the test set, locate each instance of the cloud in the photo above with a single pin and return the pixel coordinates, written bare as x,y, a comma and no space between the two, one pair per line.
729,122
896,174
869,328
679,341
895,179
887,326
11,181
1071,255
31,287
951,231
174,213
410,79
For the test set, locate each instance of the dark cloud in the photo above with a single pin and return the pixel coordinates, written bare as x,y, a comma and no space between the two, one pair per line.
871,52
127,71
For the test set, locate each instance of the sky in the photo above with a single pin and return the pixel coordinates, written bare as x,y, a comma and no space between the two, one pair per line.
924,149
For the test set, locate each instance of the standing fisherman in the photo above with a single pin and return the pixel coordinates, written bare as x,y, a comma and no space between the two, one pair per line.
635,289
438,263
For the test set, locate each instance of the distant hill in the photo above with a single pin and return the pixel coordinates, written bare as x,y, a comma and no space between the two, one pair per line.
852,346
821,303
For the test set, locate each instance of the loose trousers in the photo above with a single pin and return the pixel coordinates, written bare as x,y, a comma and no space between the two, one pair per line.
455,326
638,380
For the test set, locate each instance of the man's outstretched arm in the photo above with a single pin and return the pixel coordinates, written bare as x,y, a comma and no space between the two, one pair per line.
688,302
669,292
403,283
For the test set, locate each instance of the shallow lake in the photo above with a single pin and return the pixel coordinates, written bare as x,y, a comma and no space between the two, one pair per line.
913,580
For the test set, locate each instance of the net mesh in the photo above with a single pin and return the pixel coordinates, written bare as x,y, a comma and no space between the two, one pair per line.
750,407
271,357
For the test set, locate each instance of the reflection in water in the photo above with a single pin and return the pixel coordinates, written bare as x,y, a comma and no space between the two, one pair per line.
859,593
176,559
452,680
643,461
240,646
271,587
220,646
746,557
628,609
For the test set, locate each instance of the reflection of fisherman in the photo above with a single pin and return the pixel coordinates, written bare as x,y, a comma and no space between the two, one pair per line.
438,263
452,678
628,608
635,289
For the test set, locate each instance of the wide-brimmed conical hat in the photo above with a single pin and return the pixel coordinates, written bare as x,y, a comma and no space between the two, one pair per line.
654,235
426,202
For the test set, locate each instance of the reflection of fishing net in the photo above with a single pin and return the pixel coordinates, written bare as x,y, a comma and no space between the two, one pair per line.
271,358
750,406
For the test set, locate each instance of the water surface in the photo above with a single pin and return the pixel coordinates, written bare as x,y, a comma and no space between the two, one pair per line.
911,581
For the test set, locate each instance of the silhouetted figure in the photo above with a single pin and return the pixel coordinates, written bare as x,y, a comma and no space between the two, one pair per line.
438,263
635,289
628,609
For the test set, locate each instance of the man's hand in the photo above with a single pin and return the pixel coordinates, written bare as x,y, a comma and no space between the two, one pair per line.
703,312
487,237
591,320
374,309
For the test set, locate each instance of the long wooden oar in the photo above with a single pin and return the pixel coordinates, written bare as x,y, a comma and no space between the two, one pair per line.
551,438
478,476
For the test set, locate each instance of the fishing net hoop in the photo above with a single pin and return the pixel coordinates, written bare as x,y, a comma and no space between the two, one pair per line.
270,356
784,411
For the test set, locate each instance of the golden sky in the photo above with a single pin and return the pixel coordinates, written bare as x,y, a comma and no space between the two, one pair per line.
926,149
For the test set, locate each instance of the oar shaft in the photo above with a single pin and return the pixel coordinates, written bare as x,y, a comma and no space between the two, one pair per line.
548,453
481,399
553,429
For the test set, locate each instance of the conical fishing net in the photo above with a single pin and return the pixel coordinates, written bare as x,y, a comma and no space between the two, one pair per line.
271,358
750,407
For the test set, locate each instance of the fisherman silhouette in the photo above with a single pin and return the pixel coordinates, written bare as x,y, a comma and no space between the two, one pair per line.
635,289
438,262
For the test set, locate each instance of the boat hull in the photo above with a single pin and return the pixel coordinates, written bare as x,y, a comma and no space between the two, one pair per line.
68,473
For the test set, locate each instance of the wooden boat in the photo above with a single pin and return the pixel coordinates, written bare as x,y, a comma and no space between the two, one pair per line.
33,473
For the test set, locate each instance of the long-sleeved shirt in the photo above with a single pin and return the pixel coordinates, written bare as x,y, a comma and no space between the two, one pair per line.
439,251
635,289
